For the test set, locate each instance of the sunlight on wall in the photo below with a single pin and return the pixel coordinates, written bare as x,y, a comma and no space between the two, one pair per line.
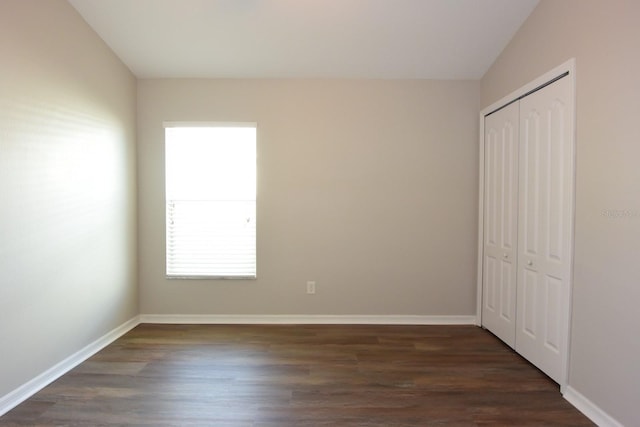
62,175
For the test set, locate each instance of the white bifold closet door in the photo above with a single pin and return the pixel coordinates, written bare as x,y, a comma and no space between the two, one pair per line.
499,270
545,226
526,290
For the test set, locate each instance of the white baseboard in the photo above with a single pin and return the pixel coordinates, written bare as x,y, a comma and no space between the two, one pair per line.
307,319
590,409
22,393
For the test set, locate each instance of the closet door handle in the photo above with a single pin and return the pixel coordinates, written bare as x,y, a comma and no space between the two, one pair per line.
529,262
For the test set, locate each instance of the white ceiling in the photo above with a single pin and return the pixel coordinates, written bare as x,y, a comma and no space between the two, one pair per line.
436,39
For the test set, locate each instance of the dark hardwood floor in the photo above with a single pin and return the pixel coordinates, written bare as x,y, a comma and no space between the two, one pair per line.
307,375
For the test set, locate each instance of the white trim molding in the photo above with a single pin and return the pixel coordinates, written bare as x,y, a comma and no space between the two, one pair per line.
22,393
307,319
28,389
590,409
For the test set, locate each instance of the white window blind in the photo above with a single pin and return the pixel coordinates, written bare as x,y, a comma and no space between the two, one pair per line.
210,174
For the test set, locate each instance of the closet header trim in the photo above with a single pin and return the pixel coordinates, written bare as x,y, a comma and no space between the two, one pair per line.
537,88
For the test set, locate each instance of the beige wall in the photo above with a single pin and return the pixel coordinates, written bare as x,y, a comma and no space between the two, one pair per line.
67,180
367,187
604,38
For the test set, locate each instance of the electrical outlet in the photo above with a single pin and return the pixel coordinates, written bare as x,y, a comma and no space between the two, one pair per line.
311,287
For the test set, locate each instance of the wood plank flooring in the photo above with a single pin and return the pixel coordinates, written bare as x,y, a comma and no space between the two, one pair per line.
306,375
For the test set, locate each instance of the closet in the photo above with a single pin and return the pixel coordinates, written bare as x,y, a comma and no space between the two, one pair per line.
526,208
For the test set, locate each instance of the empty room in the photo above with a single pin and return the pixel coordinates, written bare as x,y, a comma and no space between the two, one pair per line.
319,212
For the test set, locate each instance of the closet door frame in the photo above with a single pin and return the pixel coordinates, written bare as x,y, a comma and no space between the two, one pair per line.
567,68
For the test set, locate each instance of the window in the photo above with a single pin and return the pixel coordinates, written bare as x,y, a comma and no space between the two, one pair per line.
210,177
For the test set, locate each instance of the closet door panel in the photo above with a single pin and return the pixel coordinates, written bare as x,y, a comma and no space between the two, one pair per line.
545,231
500,223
